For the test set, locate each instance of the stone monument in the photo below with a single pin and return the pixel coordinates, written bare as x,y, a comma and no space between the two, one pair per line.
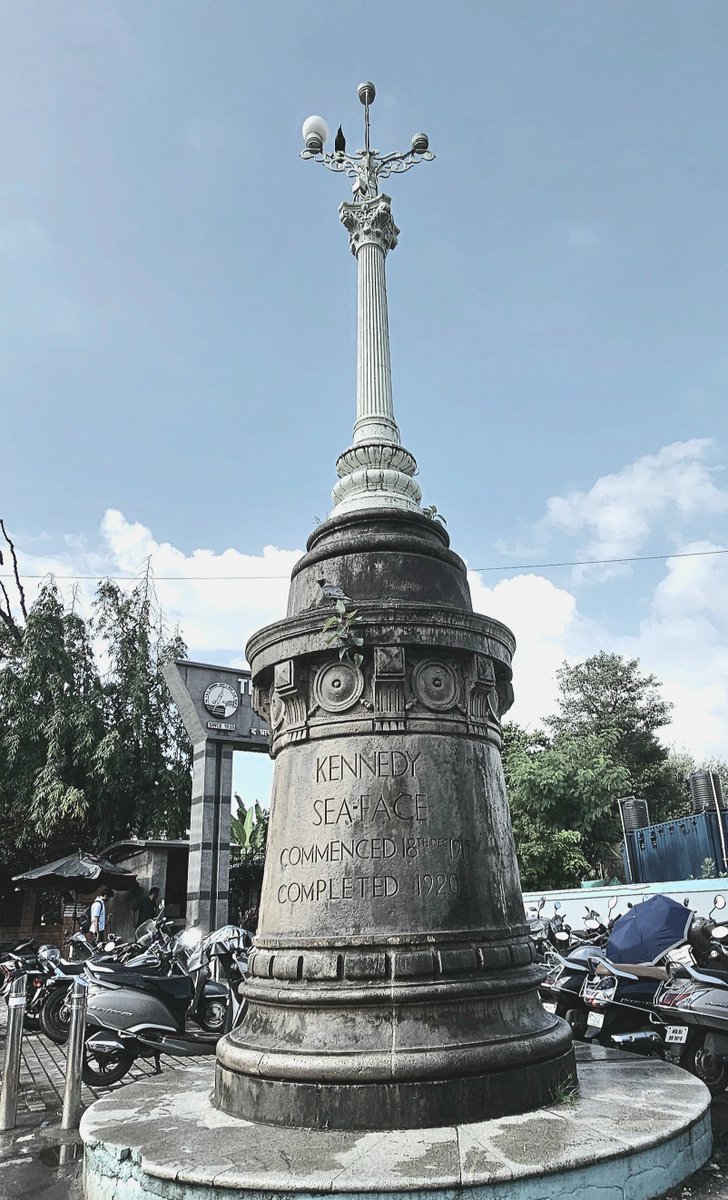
393,984
393,1040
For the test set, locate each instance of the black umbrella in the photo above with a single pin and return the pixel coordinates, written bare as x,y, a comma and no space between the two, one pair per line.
79,872
649,931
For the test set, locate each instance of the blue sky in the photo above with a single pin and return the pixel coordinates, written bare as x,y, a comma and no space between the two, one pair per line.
177,307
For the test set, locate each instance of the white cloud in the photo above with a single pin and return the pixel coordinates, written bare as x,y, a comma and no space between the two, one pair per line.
616,515
683,641
545,621
682,638
215,613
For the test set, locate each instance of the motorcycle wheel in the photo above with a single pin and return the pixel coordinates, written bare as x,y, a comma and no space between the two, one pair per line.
101,1070
30,1022
55,1016
576,1018
706,1066
213,1014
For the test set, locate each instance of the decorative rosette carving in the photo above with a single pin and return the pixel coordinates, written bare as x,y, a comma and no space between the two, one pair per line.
337,686
435,685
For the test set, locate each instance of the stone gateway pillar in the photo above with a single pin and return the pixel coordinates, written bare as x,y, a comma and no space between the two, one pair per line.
393,983
215,705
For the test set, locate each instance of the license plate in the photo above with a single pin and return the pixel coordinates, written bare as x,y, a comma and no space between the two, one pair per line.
677,1034
550,1008
596,1020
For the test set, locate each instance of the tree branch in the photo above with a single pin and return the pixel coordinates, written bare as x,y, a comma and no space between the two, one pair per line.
16,571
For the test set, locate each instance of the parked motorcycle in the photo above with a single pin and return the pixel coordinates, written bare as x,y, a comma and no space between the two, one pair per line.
561,990
623,999
35,963
693,1002
132,1015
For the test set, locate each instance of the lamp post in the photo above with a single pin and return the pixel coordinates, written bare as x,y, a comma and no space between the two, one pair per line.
393,981
376,471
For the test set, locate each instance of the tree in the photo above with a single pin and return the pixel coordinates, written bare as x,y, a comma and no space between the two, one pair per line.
609,697
85,760
50,698
249,829
562,794
144,759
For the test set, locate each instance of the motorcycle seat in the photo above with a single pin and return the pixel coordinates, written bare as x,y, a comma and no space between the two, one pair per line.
645,970
69,966
709,975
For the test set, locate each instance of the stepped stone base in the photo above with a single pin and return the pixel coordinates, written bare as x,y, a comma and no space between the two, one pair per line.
637,1128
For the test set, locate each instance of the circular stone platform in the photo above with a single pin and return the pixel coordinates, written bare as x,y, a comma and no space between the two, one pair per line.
637,1128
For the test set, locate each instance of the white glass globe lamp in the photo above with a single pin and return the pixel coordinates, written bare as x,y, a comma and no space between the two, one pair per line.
315,134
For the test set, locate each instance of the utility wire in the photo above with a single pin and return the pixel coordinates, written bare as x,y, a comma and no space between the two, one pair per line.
540,566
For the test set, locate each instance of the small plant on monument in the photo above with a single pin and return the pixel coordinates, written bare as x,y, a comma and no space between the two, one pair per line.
340,630
433,514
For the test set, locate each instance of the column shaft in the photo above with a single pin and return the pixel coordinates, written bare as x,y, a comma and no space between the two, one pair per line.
209,861
374,406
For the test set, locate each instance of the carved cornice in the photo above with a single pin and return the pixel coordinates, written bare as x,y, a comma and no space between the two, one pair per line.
370,223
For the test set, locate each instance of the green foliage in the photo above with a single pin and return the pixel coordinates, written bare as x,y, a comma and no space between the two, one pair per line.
249,829
608,696
143,760
708,870
87,758
562,793
50,698
433,514
341,632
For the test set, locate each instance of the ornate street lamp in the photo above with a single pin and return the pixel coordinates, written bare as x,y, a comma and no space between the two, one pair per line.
376,471
393,983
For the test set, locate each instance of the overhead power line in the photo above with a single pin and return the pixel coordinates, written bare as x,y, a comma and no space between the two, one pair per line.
537,566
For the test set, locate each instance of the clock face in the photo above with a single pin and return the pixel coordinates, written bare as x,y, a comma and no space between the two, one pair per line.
221,700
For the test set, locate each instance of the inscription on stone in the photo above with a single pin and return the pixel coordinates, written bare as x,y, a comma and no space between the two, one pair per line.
383,825
380,764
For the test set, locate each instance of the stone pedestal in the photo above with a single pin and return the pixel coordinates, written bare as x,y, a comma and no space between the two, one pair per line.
637,1128
393,981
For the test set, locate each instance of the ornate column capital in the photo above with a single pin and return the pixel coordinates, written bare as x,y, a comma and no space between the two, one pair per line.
370,222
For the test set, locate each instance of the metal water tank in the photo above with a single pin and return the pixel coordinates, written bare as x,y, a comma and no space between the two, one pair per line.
705,787
635,813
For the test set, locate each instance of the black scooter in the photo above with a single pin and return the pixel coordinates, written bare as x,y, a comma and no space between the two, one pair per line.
133,1015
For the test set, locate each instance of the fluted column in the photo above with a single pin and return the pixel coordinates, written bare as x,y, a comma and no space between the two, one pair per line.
376,471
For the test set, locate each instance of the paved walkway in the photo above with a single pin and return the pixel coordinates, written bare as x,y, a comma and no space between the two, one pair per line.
38,1160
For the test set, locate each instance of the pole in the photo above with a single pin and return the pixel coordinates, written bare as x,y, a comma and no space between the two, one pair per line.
74,1060
13,1047
719,815
626,843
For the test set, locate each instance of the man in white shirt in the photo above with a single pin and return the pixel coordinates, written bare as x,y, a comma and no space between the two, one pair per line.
98,913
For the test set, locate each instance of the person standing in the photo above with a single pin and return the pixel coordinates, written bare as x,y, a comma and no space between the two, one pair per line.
148,906
98,913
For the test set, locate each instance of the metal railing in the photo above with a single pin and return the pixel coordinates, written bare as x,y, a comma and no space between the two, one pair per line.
74,1059
13,1048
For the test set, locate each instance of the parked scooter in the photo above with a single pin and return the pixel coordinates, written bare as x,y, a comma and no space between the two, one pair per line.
693,1002
36,963
561,990
150,954
623,998
133,1015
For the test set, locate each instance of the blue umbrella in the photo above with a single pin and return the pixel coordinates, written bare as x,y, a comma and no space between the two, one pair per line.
648,931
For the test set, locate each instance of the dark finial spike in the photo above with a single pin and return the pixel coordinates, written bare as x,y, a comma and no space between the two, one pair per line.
340,141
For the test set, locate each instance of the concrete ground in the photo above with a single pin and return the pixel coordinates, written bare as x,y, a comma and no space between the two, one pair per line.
39,1161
